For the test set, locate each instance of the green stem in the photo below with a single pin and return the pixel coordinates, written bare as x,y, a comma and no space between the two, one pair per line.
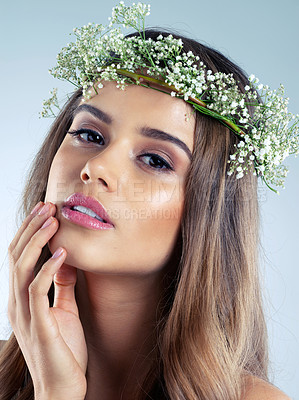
196,103
71,82
138,77
271,188
235,128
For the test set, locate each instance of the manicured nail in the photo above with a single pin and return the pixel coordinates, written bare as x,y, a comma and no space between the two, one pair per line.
48,222
58,252
36,208
45,209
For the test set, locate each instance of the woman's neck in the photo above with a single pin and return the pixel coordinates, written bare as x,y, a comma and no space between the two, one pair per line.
119,317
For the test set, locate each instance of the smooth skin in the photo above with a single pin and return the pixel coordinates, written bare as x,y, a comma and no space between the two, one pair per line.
109,325
118,271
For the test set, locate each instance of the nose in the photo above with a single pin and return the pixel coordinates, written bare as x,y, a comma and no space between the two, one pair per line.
103,170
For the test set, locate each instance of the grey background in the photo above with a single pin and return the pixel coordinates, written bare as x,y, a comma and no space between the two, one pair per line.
260,35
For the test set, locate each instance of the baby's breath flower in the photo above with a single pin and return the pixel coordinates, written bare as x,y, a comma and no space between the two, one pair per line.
102,53
47,110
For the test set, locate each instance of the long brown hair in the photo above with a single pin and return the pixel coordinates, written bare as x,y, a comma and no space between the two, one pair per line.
213,332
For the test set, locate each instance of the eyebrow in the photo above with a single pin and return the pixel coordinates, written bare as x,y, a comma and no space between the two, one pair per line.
96,112
145,131
161,135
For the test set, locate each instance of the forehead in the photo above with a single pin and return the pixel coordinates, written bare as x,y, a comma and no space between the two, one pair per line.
137,106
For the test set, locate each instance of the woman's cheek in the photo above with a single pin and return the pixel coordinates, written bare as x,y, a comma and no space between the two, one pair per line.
63,180
165,194
157,232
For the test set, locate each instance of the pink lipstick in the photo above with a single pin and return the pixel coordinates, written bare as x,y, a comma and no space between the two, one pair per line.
86,211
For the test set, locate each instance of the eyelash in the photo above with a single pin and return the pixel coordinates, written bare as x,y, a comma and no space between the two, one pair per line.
80,132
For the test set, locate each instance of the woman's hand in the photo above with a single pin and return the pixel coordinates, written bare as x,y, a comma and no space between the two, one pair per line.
51,338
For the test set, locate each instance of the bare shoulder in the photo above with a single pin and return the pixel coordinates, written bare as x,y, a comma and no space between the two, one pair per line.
256,388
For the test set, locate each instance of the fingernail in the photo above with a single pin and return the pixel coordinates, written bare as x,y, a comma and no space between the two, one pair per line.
36,208
58,252
48,222
45,209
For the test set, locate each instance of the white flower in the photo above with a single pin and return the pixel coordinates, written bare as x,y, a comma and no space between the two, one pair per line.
276,160
267,137
262,152
267,141
211,78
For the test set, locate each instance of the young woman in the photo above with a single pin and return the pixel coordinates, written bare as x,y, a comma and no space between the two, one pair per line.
134,274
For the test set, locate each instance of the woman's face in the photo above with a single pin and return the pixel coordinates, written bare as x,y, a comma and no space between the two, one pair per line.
128,150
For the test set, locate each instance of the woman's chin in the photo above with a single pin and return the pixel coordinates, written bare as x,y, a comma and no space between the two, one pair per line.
77,256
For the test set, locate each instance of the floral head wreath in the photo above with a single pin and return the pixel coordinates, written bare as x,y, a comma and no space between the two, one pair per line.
100,53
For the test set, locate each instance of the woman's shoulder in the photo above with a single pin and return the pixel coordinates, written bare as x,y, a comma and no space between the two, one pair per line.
256,388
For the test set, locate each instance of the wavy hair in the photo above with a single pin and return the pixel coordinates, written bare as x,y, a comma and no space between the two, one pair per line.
212,332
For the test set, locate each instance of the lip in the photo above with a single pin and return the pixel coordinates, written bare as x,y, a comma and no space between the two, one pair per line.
79,199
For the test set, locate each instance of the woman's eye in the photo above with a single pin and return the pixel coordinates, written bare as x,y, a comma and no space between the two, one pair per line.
156,162
88,135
